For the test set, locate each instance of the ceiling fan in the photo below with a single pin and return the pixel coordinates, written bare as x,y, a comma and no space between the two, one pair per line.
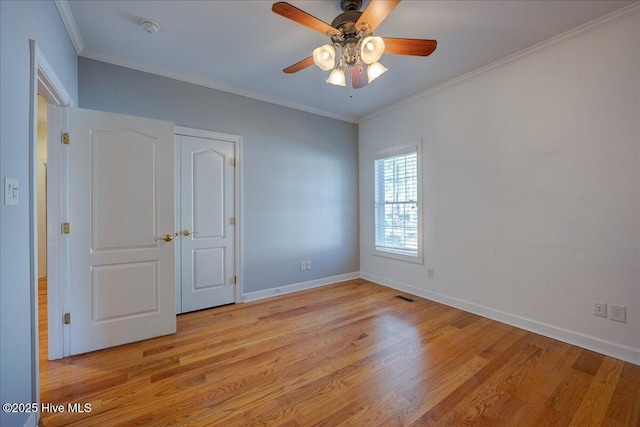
354,48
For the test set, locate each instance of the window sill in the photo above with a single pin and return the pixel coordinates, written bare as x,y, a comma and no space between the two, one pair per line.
399,255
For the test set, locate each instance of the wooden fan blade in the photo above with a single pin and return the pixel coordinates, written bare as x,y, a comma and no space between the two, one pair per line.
376,12
358,78
415,47
299,65
301,17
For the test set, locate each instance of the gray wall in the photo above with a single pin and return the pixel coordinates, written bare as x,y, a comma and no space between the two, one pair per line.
19,22
300,170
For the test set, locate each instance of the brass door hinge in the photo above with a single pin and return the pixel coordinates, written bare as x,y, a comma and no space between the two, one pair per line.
66,318
234,162
233,280
65,228
232,220
65,138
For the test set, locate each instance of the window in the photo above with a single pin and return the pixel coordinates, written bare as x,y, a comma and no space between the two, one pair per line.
397,207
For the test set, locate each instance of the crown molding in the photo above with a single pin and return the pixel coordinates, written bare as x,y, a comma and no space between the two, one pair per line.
98,56
70,24
615,16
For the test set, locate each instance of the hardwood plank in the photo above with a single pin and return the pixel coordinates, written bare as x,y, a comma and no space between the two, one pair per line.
588,362
538,387
445,406
495,387
453,364
624,408
567,396
72,392
466,320
343,354
338,417
381,411
595,402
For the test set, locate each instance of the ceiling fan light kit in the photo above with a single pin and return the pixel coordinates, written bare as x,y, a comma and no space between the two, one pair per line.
371,49
355,50
324,56
375,70
337,77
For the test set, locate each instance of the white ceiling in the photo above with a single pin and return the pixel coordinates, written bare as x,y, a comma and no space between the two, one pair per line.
241,46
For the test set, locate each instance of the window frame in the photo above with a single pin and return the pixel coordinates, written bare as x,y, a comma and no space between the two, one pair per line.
412,147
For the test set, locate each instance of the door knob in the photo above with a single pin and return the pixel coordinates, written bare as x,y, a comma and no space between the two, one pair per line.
166,238
189,233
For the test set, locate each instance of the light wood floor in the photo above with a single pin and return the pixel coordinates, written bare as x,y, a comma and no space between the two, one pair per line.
346,354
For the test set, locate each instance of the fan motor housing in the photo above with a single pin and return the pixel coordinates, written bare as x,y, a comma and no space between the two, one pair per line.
346,23
350,5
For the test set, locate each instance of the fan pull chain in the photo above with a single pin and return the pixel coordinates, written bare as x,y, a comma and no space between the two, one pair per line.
350,84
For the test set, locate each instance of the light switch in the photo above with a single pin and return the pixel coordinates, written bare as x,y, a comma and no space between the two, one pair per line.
10,191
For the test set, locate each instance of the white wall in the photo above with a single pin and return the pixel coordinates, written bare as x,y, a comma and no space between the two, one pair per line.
300,177
531,189
19,22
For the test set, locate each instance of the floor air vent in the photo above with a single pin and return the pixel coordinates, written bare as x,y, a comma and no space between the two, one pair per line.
403,298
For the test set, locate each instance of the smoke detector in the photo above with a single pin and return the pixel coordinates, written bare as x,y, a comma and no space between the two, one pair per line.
150,26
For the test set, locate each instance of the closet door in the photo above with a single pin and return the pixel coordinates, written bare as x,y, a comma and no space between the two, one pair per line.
207,217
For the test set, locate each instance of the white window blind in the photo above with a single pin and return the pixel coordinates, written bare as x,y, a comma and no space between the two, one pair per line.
396,203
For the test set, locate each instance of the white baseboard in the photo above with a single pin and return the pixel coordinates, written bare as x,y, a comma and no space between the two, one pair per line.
296,287
619,351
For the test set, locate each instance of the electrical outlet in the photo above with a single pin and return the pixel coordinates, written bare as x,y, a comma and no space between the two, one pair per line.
618,313
308,266
303,265
430,273
600,309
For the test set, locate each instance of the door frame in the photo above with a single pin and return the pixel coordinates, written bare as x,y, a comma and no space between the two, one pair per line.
237,153
42,79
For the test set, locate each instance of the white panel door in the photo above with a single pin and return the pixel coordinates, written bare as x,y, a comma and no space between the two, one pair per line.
121,172
207,217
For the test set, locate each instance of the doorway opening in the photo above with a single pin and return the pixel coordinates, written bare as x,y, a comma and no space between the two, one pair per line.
41,208
45,88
